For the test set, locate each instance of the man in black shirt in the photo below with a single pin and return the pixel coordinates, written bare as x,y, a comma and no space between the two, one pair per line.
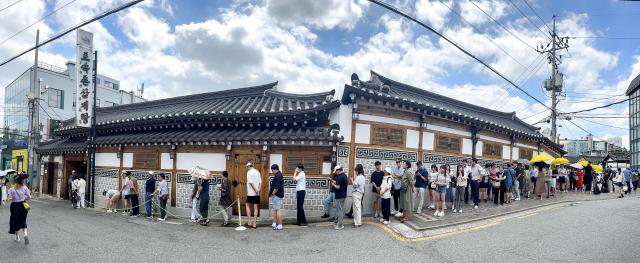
276,193
376,181
588,177
340,184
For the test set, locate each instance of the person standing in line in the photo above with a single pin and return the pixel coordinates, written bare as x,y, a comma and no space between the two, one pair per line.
421,177
474,175
555,173
384,190
548,180
588,177
163,195
254,184
332,194
276,193
562,179
406,189
498,185
339,183
357,195
112,199
627,180
461,185
70,188
135,202
225,198
202,191
376,181
149,189
635,179
528,184
82,189
509,175
580,180
301,188
195,197
618,181
467,172
397,173
433,198
18,196
539,174
126,192
517,181
485,184
451,188
441,181
572,179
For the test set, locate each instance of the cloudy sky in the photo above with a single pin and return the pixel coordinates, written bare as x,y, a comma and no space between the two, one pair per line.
186,47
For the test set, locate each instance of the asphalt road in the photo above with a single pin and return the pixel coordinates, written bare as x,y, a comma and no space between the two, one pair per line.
601,231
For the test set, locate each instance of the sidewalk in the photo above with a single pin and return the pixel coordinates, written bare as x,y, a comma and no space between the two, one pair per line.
427,221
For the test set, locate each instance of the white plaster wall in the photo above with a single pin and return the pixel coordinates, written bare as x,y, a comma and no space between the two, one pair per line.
466,146
127,160
516,153
382,119
506,152
413,138
57,159
363,133
107,159
448,130
489,138
165,161
526,146
342,116
275,159
209,161
326,168
479,146
427,141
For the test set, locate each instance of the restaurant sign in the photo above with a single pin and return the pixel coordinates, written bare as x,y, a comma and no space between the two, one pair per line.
84,78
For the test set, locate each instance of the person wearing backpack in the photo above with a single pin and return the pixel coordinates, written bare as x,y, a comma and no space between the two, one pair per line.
163,195
384,190
135,202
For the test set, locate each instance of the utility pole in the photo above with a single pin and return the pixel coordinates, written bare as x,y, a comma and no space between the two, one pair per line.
34,118
555,82
92,135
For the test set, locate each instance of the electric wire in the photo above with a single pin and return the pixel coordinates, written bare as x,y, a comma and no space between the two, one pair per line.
607,37
501,25
525,80
5,8
528,19
536,13
603,124
583,129
39,20
599,107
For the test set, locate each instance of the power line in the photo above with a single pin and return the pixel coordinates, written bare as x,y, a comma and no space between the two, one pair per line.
606,37
603,124
527,17
521,79
501,25
535,114
536,13
4,8
599,107
487,37
107,13
43,18
395,10
579,127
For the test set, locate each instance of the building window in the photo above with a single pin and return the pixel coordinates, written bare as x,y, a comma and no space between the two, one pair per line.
448,143
145,160
492,150
56,98
388,136
526,154
311,163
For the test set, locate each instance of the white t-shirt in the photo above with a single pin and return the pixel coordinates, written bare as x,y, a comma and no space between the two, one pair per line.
301,183
253,176
127,189
387,183
474,172
82,185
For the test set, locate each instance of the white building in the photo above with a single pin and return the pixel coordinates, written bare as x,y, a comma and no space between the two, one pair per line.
617,141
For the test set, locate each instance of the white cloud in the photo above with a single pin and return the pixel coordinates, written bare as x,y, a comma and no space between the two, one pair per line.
473,14
325,14
433,12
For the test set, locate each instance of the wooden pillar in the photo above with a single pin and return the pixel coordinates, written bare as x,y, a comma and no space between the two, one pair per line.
121,168
474,140
352,148
174,172
513,143
420,137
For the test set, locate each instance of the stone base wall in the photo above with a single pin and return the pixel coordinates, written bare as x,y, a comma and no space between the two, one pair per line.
317,191
184,188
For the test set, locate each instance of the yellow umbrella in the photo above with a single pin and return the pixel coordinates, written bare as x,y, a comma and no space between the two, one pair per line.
560,161
596,167
583,162
541,158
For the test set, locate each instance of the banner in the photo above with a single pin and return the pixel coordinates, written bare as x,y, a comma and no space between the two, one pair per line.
84,78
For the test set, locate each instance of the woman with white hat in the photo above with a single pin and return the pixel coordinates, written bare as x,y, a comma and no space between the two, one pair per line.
385,192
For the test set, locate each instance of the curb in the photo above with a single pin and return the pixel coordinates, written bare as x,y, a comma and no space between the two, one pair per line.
474,220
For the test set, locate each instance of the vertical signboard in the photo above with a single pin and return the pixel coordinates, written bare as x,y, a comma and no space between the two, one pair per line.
84,78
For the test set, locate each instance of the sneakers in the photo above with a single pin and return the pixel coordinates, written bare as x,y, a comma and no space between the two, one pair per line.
455,211
124,213
435,213
385,222
418,211
325,216
278,227
338,227
394,212
381,220
432,206
109,211
161,219
399,214
375,215
441,214
16,239
475,207
273,225
225,224
517,199
460,211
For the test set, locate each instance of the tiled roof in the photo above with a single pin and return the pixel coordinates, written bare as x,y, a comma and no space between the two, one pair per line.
213,136
258,101
386,89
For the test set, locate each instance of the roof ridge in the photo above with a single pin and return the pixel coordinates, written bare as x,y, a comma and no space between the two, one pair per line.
297,95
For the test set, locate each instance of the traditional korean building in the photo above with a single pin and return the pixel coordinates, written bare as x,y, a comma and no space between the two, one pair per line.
218,131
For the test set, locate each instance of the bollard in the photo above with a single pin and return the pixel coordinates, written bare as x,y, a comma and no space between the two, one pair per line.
240,226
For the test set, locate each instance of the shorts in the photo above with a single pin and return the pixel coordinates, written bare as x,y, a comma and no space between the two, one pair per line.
484,185
431,188
618,184
128,196
253,199
441,189
276,202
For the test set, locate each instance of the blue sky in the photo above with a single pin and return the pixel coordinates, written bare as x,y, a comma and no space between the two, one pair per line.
183,47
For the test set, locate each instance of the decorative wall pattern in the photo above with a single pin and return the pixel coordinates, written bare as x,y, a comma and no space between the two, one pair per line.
382,154
312,182
107,173
343,151
317,191
184,188
429,158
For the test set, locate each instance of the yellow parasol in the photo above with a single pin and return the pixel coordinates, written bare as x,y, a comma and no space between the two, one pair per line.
596,167
541,158
560,161
583,162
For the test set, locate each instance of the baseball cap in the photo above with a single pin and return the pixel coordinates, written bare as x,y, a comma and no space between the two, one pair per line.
387,170
338,167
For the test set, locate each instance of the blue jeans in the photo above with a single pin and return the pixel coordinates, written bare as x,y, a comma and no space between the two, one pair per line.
148,200
331,198
475,191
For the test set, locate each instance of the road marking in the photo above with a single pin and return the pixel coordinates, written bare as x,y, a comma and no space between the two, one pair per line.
172,223
399,237
528,215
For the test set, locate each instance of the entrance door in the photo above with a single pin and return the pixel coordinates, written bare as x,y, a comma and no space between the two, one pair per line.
50,178
240,175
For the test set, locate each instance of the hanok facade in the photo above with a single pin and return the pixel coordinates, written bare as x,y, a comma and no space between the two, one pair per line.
382,119
218,131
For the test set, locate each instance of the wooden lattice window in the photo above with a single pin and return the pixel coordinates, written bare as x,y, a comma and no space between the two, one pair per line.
448,143
387,136
145,160
492,150
311,163
526,154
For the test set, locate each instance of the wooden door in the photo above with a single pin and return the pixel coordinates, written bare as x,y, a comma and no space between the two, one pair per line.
54,180
240,176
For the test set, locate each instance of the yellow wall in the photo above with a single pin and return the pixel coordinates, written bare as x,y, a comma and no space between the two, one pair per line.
14,160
